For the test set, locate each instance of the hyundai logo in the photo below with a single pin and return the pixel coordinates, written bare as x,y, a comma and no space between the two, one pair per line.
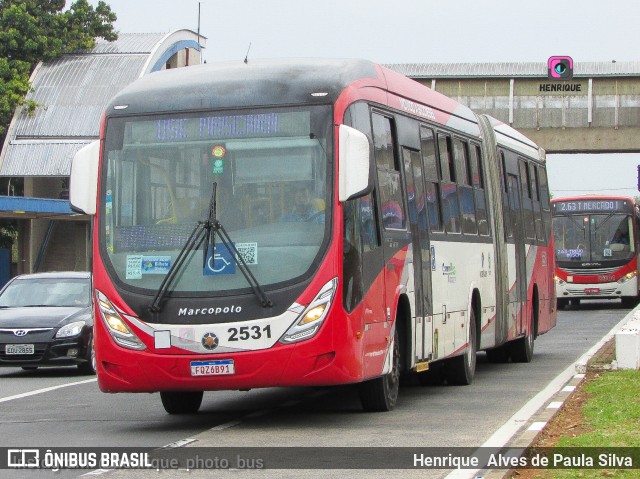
20,332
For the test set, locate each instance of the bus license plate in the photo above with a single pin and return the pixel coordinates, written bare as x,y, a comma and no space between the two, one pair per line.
592,291
219,367
19,349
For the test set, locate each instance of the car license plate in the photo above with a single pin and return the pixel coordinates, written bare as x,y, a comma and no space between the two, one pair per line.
592,291
19,349
218,367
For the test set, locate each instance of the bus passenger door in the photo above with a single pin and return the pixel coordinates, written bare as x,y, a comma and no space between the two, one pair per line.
417,206
518,296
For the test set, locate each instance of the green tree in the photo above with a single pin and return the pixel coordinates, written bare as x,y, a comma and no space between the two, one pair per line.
38,30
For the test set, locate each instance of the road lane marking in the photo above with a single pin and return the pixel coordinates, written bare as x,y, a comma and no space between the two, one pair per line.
46,390
226,425
180,443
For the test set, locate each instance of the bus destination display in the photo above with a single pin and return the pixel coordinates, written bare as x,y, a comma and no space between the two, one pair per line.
583,206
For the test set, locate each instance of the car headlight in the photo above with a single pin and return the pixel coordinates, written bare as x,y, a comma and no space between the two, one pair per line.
310,320
70,330
627,277
116,326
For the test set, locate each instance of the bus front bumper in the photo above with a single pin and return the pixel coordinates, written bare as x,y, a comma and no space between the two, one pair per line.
617,289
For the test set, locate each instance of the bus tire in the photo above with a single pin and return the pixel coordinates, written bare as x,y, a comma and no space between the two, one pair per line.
522,349
461,369
629,301
181,402
562,303
381,394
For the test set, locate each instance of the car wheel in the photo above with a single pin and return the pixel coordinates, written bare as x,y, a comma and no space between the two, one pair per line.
89,366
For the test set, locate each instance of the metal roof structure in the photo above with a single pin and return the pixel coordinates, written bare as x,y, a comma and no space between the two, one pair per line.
71,93
512,70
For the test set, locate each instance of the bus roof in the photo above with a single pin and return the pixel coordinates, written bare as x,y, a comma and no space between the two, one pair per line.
511,138
269,83
237,85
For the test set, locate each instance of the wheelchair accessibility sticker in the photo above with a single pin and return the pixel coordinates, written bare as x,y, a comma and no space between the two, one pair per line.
220,262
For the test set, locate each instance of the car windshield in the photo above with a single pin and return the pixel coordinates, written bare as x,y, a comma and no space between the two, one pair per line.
57,292
270,167
593,237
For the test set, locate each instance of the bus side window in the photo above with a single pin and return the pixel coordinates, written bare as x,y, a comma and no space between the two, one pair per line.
544,203
390,187
465,190
506,208
352,290
448,186
477,172
526,203
432,178
535,191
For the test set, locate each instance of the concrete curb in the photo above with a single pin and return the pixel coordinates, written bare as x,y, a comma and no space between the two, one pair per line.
558,391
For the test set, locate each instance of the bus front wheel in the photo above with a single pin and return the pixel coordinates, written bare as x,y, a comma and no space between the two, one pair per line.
380,394
181,402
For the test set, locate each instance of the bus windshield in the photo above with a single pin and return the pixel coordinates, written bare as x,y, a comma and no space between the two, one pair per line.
598,237
270,167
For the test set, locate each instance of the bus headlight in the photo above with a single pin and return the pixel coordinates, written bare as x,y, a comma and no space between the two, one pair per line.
310,320
116,326
559,280
627,277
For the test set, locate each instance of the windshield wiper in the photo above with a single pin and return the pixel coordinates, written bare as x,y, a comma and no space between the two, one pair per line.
213,226
195,240
204,232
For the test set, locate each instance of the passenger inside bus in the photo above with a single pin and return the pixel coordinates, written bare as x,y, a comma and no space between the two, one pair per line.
619,238
305,208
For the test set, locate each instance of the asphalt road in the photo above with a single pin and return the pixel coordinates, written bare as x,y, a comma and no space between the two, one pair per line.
68,410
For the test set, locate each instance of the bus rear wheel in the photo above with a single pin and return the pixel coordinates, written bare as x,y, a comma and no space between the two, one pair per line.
381,394
522,349
461,369
181,402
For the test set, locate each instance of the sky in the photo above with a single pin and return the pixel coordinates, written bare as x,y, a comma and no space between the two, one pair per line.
418,31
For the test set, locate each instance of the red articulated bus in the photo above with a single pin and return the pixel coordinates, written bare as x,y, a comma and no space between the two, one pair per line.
596,242
309,222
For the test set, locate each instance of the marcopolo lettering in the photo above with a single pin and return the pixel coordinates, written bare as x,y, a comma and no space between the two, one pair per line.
233,309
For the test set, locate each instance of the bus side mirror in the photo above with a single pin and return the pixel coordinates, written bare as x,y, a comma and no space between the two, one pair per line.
353,176
83,187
